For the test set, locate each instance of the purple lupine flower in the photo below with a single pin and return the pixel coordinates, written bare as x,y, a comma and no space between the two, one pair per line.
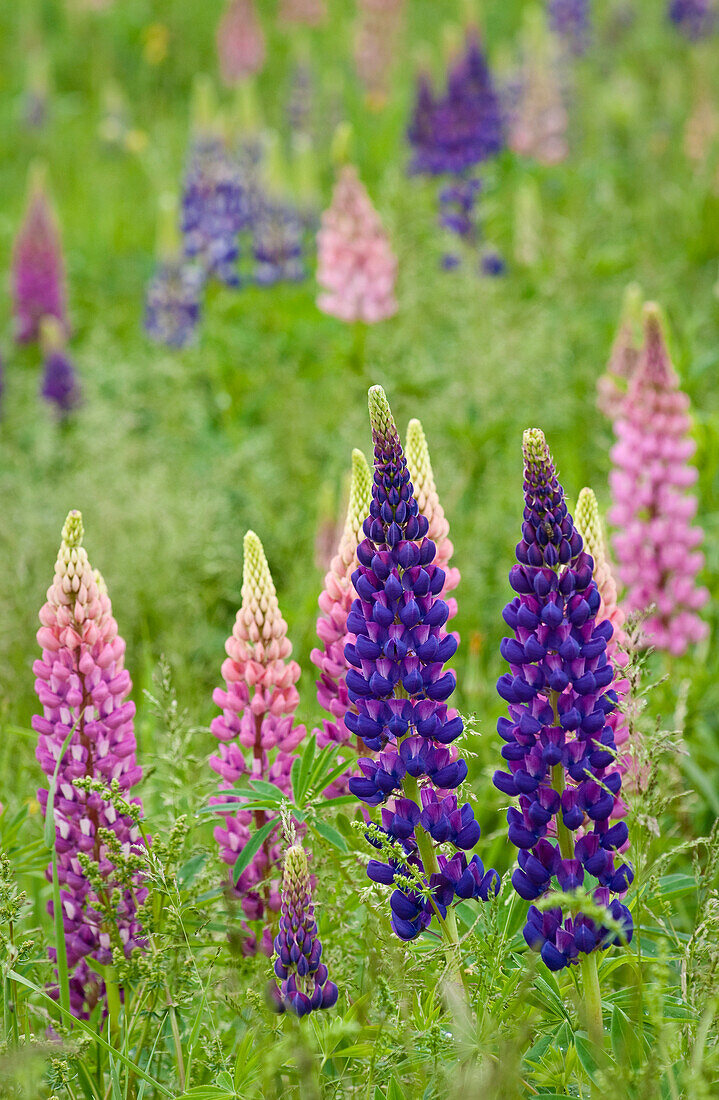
570,21
172,303
304,983
214,210
558,742
83,686
493,264
60,385
399,687
694,18
38,268
278,244
457,203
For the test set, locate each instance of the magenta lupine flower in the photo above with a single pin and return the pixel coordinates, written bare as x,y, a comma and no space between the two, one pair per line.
376,44
240,42
612,385
83,686
38,268
399,688
258,706
356,267
425,491
655,543
559,745
304,985
335,603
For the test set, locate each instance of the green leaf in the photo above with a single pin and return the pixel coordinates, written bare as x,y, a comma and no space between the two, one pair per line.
189,871
251,849
268,790
331,835
49,831
589,1055
624,1039
207,1092
300,789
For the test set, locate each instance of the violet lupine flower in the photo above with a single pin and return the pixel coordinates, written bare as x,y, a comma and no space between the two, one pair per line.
258,706
399,687
356,268
213,210
570,21
655,543
376,46
304,984
278,244
425,491
623,358
60,385
335,603
38,268
83,686
559,743
240,42
172,303
694,18
457,209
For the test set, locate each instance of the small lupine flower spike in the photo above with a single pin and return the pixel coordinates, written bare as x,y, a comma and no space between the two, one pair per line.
258,706
589,525
539,120
38,268
694,18
59,385
425,491
623,358
335,603
400,689
172,302
240,42
376,45
309,12
570,21
655,543
356,267
304,984
83,687
559,742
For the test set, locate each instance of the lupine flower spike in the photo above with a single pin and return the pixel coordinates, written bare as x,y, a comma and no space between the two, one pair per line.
240,42
694,18
335,603
376,45
258,705
655,543
172,303
589,525
60,386
623,358
570,21
399,688
559,741
538,123
38,268
304,985
83,687
309,12
356,268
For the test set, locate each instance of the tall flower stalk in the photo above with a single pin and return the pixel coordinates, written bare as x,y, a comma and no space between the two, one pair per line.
38,268
399,687
335,602
258,705
656,546
83,688
559,744
624,355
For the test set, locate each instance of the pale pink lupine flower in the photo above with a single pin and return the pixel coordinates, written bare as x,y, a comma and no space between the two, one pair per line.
356,267
38,268
538,126
240,42
309,12
335,603
379,24
258,708
425,491
623,358
656,546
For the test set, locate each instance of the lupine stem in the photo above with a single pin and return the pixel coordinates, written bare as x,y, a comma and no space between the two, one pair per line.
592,999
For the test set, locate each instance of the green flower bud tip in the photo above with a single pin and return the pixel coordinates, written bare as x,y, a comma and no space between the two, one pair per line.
360,495
589,525
534,447
380,414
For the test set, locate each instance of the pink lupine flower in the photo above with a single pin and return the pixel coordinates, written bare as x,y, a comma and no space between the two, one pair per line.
376,41
623,358
538,127
335,603
425,491
83,686
240,42
356,267
258,708
309,12
655,543
38,268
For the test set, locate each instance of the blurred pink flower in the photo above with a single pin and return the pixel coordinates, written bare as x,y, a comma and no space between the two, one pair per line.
240,42
38,268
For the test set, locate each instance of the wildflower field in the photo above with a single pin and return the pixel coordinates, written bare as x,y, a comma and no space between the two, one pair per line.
359,467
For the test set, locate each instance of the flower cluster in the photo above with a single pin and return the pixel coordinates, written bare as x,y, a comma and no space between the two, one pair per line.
655,543
462,128
278,243
38,268
304,985
399,687
356,268
83,687
172,303
240,42
214,210
694,18
570,21
258,704
559,744
376,44
335,603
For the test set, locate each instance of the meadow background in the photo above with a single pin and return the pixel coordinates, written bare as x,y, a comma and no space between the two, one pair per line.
173,455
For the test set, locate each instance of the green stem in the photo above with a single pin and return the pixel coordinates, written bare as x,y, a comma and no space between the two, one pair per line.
564,835
592,999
